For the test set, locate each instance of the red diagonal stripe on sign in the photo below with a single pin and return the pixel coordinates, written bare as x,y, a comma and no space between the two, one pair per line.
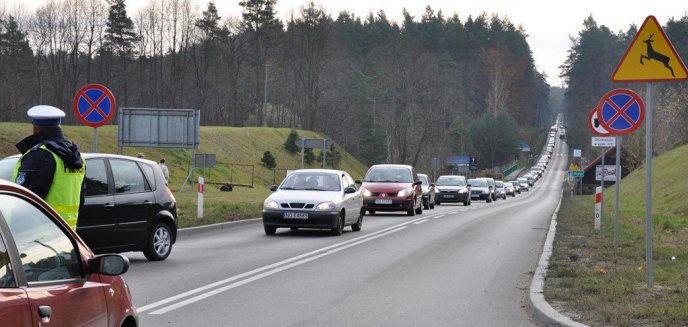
621,112
94,105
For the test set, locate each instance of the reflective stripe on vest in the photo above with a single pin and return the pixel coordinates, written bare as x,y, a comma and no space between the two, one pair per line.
65,192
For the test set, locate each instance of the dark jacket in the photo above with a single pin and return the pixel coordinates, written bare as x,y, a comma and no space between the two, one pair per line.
37,166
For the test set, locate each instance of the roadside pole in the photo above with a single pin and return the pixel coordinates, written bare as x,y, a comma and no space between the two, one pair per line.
604,174
201,190
648,184
618,188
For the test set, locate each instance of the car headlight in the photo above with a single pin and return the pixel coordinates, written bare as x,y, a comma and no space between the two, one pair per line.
325,206
405,192
271,204
366,192
463,191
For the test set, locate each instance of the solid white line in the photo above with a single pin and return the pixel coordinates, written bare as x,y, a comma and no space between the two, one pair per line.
266,274
421,221
268,267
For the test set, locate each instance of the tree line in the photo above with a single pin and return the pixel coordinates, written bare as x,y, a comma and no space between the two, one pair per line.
401,92
592,58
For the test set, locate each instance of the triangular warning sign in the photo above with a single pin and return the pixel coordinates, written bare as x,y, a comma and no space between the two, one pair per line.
650,58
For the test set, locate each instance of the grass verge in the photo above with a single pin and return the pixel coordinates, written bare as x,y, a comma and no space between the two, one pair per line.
598,284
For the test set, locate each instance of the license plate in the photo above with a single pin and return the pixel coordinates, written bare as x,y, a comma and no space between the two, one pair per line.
383,201
448,196
295,215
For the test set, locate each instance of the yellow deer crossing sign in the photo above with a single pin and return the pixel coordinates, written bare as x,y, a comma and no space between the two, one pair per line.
650,57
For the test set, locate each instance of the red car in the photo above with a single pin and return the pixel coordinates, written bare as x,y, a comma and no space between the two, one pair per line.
392,188
48,276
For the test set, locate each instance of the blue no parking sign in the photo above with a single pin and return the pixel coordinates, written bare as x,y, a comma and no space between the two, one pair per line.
94,105
621,111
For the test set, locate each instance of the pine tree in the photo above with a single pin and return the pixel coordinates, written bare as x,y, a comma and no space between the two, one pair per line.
119,34
290,143
268,160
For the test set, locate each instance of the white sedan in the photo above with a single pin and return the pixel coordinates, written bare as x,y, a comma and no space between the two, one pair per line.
314,198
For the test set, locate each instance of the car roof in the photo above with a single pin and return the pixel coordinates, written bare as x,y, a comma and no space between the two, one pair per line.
391,165
314,170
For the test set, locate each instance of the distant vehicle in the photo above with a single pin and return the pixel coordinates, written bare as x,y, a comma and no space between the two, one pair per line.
509,189
493,187
453,188
429,192
127,205
480,190
49,276
525,185
392,188
500,190
517,186
314,198
530,178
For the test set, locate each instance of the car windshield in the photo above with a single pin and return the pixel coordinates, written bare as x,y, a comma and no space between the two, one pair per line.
311,181
523,180
450,181
508,184
423,179
499,184
477,182
389,175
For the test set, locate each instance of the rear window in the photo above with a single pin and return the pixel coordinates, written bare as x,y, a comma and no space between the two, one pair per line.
477,182
423,179
389,175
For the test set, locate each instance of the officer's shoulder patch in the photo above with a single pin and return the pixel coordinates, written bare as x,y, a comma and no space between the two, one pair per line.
21,178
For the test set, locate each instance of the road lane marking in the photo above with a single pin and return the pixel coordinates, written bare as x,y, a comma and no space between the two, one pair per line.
267,273
438,216
421,221
268,267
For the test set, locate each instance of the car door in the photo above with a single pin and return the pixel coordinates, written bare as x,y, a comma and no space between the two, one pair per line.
134,201
96,225
14,302
353,201
49,268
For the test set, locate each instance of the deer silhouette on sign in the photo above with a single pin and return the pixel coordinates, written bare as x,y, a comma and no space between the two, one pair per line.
652,54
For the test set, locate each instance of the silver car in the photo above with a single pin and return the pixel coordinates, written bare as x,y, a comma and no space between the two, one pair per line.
314,198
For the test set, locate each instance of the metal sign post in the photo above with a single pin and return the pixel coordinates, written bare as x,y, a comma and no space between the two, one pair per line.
648,185
618,192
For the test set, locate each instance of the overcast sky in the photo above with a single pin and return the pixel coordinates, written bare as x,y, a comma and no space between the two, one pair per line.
548,24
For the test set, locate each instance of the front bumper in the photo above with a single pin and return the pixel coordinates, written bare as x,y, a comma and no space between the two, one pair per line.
451,197
394,204
315,219
480,196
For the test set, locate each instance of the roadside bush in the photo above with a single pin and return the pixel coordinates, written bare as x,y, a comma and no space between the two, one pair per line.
268,160
290,143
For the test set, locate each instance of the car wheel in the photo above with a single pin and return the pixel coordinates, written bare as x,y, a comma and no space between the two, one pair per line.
159,243
437,203
426,203
371,212
357,226
270,230
432,205
470,201
294,228
419,210
465,203
489,200
410,212
339,228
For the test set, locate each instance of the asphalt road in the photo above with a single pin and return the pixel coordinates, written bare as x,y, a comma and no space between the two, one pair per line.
452,266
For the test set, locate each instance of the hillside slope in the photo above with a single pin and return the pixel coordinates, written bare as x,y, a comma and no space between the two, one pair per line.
238,152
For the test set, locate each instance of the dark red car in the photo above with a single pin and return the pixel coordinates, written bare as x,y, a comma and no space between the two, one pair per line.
48,276
392,188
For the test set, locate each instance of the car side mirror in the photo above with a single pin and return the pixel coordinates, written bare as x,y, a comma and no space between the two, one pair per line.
108,264
349,190
273,188
358,181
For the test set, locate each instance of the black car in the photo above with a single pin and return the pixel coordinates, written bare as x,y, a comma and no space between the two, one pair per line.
452,189
480,190
126,207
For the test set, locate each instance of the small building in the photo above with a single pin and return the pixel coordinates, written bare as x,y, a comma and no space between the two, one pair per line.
629,163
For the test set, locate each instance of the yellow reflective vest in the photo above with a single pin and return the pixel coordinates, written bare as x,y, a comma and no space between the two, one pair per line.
65,192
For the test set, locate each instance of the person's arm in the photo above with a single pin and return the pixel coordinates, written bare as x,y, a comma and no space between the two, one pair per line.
36,172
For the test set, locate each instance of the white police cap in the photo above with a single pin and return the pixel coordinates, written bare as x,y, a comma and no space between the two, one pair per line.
43,115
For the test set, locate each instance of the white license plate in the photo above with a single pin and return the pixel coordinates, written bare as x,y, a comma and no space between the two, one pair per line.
383,201
448,196
295,215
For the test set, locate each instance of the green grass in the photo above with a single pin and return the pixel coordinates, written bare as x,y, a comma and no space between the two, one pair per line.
231,145
607,285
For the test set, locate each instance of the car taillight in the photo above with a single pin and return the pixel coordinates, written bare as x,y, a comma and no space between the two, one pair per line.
174,201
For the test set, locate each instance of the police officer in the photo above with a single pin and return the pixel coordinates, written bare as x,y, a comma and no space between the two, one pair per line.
51,166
